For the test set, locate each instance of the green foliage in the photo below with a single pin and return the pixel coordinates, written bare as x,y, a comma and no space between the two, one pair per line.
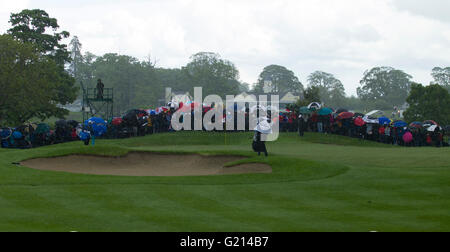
138,84
332,91
282,80
428,103
213,74
36,70
384,87
32,26
31,85
441,77
76,57
129,77
311,94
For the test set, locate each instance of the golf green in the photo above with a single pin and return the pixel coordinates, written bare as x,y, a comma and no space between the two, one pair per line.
318,183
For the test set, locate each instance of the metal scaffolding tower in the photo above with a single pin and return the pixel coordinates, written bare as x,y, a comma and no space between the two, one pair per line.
97,105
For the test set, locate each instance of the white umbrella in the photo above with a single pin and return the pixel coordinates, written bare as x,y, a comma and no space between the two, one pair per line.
173,105
264,126
370,120
375,113
315,105
433,128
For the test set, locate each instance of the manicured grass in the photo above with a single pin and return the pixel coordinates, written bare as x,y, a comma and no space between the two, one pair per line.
342,185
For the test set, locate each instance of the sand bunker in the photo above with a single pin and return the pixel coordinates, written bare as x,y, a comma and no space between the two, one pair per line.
147,164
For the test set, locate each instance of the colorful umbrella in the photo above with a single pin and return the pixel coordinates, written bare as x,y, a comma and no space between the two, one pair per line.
314,106
97,125
434,127
375,113
384,121
5,133
407,137
162,110
371,120
42,128
17,135
305,111
117,121
345,115
325,111
359,122
400,124
429,123
416,125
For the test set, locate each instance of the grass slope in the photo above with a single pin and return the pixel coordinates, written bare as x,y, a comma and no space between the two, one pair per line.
342,185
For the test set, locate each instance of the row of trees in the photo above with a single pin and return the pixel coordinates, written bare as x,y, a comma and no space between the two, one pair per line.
139,84
39,74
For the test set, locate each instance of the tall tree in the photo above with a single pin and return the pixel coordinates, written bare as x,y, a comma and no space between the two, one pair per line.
214,74
282,80
76,56
36,27
332,91
76,61
31,85
431,102
385,87
441,77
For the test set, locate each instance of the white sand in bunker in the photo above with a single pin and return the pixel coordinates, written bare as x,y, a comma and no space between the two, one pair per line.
147,164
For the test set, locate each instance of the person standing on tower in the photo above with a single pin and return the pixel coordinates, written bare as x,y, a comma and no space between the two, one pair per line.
100,88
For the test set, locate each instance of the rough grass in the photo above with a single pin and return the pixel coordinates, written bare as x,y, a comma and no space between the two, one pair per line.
319,183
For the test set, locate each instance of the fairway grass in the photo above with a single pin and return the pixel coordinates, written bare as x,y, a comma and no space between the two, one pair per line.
319,183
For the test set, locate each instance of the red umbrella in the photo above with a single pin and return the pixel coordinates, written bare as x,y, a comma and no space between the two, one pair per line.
345,115
359,122
185,109
417,125
430,122
195,105
206,109
117,121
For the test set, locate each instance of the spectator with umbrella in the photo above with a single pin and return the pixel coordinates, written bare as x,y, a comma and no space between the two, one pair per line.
92,128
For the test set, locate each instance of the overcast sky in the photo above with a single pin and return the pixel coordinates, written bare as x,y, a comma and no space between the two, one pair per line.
343,37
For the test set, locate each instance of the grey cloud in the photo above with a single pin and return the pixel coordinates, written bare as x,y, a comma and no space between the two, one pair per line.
434,9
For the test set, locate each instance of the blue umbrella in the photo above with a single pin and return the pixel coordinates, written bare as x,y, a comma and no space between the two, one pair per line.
97,125
84,135
5,133
325,111
384,120
400,124
305,110
17,135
